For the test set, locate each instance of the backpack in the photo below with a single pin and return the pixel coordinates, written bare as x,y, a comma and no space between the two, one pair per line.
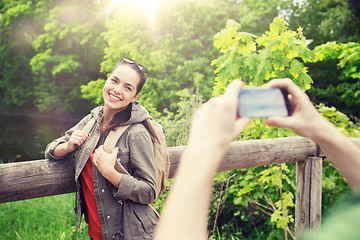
161,154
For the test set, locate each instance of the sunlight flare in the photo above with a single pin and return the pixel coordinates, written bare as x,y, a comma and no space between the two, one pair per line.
147,5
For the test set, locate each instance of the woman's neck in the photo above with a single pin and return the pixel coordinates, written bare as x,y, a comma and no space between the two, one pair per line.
109,115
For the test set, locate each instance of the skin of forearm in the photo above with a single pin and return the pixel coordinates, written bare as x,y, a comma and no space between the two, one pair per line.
342,152
61,150
191,194
113,176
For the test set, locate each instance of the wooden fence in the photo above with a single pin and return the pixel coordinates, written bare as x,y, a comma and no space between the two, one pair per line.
32,179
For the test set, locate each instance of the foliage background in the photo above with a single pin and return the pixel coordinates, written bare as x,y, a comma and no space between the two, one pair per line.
55,56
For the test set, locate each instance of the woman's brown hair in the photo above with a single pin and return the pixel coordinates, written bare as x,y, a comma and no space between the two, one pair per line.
119,118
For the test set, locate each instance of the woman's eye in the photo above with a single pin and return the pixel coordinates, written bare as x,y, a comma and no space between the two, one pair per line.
114,80
128,88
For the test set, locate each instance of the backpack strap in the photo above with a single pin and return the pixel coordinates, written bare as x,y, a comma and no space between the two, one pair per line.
110,144
89,126
113,137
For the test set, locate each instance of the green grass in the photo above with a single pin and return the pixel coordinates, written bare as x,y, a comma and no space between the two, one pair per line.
41,218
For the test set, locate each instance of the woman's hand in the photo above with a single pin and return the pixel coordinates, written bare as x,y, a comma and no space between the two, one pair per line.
105,163
77,139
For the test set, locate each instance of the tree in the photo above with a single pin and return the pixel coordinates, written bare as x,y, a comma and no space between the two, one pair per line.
176,46
18,23
255,16
68,53
343,90
323,21
330,21
277,53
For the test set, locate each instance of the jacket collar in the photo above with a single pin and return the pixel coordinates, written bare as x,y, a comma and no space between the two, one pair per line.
138,113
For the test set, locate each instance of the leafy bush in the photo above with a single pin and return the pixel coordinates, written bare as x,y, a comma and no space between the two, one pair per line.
262,199
342,89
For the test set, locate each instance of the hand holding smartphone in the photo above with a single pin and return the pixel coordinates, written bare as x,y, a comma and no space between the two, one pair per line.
261,102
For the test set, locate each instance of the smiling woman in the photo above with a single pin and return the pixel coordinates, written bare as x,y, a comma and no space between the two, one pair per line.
116,207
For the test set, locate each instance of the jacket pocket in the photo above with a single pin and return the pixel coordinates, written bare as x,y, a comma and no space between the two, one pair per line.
146,216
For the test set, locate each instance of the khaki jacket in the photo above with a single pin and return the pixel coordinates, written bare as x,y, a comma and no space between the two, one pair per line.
123,209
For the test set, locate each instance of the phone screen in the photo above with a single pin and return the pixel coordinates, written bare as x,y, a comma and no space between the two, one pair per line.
260,102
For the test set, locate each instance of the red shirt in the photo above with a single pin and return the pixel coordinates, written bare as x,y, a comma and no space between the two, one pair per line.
91,212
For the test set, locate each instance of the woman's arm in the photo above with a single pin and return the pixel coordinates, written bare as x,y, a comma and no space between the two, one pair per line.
61,146
76,139
140,186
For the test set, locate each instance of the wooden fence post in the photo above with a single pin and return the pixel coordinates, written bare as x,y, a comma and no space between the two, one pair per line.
308,194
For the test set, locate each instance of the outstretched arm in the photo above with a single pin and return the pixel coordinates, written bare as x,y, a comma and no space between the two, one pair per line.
215,124
306,121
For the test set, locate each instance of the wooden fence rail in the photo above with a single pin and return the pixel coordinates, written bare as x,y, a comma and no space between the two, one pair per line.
32,179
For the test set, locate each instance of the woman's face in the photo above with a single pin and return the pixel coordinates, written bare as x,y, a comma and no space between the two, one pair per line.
120,89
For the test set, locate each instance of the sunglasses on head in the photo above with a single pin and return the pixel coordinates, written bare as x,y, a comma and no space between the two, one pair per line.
141,67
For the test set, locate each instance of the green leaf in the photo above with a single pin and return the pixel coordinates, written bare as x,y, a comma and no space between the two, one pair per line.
277,26
263,68
228,37
295,68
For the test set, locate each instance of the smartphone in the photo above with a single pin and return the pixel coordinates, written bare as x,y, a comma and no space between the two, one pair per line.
260,102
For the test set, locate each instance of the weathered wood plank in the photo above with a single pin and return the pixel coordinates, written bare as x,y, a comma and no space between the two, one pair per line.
31,179
254,153
308,194
315,192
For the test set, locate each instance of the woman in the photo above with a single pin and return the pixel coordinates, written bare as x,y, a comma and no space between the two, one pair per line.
115,205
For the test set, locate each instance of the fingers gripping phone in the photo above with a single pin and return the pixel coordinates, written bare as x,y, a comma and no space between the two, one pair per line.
260,102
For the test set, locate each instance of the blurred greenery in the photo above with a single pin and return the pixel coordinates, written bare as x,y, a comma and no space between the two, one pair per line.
49,49
55,56
41,218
